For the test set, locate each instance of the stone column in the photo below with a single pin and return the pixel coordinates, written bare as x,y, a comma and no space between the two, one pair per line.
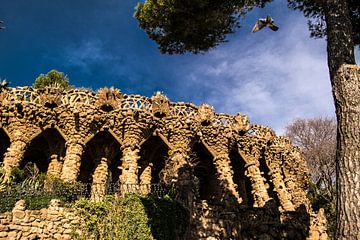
15,153
55,167
129,175
296,177
252,171
225,175
100,177
175,163
72,160
145,179
53,172
178,171
273,161
133,135
217,141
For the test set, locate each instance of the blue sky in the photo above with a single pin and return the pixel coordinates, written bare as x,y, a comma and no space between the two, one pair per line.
274,77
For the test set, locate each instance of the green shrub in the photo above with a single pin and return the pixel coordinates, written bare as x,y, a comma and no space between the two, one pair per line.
132,217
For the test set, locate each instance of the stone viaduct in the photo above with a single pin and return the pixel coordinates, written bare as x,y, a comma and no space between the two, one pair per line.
238,180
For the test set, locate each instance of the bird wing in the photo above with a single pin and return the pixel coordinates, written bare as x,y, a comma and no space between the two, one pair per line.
273,27
258,25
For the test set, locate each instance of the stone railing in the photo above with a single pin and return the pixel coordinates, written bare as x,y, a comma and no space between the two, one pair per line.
86,97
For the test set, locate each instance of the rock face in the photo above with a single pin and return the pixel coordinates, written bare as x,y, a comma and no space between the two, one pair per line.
238,180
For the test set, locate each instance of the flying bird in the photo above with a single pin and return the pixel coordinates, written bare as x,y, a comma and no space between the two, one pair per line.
265,22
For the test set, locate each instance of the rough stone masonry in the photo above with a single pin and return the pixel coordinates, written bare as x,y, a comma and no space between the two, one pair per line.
238,180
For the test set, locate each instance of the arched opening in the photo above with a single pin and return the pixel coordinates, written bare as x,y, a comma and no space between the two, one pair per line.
42,147
50,105
106,107
4,144
209,187
153,153
239,177
102,145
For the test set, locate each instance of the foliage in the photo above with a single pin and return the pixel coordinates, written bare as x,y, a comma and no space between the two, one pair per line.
180,26
168,218
131,217
314,10
36,189
53,78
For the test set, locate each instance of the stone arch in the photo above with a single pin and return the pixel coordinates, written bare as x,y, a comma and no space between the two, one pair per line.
4,143
153,153
44,145
102,145
206,176
243,183
109,131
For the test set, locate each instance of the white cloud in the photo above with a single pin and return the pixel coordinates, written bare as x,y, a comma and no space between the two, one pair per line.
272,77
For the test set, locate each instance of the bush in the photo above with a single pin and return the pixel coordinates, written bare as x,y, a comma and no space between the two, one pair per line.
132,217
53,78
37,191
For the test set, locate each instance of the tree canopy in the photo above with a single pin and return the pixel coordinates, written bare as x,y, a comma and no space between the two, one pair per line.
181,26
317,140
314,10
53,78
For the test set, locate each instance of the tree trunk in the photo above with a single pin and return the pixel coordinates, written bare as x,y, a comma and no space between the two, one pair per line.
346,91
345,81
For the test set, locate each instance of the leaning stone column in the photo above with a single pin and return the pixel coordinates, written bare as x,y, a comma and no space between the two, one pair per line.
145,179
53,172
295,174
273,160
178,171
133,135
129,175
217,140
181,175
55,166
175,163
252,171
100,177
225,174
72,160
15,153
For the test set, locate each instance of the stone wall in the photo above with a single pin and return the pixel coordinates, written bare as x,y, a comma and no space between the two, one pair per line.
218,222
53,222
110,137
